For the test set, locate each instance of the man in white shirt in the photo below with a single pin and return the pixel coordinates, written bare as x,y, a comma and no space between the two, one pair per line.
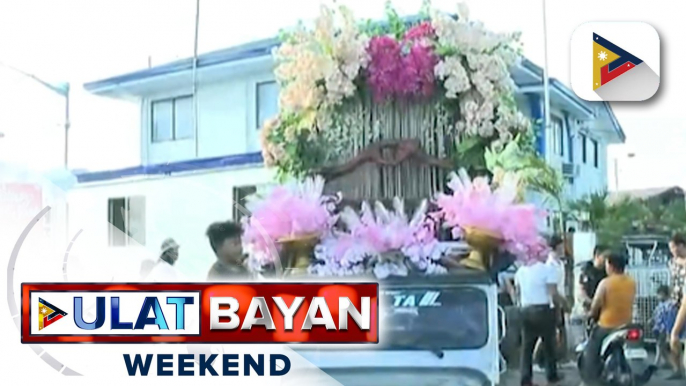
536,285
557,250
163,270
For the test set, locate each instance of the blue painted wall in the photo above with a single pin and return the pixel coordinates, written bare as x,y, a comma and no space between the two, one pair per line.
174,167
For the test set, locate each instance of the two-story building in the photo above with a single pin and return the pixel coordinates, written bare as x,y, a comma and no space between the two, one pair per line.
200,148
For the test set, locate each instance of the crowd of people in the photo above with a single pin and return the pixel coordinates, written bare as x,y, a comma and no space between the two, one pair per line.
608,295
537,289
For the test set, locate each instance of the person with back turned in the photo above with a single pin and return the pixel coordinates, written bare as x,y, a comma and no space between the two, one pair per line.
536,284
592,273
612,307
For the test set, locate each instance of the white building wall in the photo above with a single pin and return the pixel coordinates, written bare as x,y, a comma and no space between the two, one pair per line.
591,179
178,206
227,122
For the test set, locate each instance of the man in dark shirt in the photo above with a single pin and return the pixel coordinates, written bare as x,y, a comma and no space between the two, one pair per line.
225,240
592,273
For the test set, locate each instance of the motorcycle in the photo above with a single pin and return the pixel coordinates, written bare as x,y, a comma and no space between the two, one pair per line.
624,358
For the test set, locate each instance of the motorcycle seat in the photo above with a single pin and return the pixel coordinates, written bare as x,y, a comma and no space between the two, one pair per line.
629,326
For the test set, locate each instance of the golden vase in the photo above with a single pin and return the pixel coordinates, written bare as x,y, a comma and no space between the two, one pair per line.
297,253
484,245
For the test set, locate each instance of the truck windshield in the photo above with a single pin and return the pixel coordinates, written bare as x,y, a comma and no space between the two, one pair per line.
433,318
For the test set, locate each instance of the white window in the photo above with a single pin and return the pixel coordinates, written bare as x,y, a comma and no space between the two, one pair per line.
266,102
172,119
558,132
126,216
240,194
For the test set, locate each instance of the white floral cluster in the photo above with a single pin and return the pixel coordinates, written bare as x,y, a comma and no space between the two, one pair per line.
320,66
356,262
382,242
509,120
425,260
328,266
477,72
454,76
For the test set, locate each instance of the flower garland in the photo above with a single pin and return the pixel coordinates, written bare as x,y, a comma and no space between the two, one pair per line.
321,68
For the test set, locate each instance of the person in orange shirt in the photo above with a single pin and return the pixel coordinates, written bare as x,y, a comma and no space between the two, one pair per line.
612,307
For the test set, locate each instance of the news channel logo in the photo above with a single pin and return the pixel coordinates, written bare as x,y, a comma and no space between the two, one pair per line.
615,61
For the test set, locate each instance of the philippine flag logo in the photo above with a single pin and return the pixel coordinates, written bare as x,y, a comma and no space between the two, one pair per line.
623,65
48,314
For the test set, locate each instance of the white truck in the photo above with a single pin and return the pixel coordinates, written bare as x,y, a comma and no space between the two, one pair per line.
434,330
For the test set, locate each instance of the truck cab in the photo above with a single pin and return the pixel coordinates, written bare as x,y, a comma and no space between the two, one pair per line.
433,330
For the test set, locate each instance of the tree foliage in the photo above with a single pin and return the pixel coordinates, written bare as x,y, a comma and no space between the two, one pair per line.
612,220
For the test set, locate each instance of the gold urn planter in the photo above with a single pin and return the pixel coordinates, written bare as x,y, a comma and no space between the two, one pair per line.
297,253
484,244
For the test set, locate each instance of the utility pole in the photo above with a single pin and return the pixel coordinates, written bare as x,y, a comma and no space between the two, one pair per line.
195,78
546,85
627,155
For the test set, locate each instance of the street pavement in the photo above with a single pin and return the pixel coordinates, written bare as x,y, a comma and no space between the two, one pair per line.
571,378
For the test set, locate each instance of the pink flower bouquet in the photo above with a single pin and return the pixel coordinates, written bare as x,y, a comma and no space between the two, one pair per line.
474,204
381,241
402,68
287,211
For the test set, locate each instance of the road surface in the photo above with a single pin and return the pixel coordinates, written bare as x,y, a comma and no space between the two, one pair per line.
571,378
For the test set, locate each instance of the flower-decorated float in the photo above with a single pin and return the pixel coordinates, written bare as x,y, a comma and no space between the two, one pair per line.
381,142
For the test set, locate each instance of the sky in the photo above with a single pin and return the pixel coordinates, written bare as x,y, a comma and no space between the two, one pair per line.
81,40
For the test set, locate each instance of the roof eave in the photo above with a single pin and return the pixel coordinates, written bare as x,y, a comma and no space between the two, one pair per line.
535,69
257,49
615,122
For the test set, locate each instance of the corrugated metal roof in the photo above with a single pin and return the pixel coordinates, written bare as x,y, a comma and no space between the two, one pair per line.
644,194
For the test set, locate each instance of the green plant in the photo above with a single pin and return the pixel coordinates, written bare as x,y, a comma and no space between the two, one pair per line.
535,173
609,219
662,218
470,154
396,25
